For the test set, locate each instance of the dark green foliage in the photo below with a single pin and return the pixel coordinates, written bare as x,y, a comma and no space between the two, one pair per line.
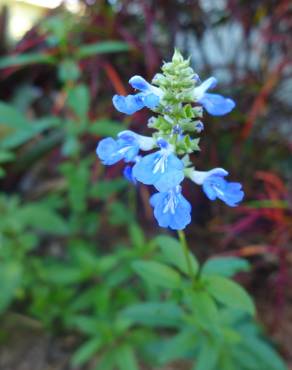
72,253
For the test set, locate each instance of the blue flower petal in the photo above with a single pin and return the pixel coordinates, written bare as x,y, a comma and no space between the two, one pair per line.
128,175
171,209
210,83
143,170
128,104
107,151
160,169
139,83
151,100
216,104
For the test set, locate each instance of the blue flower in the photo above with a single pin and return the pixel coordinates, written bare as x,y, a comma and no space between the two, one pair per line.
148,97
126,147
215,186
215,104
229,192
171,209
161,169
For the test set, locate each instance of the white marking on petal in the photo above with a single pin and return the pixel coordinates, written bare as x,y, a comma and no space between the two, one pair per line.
171,203
160,163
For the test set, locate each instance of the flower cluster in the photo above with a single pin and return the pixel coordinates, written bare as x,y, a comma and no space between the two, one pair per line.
178,99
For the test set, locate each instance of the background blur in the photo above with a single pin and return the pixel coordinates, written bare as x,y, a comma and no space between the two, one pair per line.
62,212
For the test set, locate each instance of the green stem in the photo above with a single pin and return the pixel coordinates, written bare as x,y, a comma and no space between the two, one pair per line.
183,242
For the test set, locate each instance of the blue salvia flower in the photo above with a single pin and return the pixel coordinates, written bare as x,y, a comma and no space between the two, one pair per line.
215,186
215,104
171,209
177,121
126,147
163,169
148,97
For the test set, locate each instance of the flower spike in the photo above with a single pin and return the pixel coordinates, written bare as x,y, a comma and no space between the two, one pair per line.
178,97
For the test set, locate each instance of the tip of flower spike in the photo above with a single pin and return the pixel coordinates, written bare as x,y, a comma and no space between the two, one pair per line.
177,57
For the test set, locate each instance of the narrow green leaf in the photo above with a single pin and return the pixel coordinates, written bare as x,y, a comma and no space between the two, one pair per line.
86,351
173,253
229,293
101,47
25,59
157,274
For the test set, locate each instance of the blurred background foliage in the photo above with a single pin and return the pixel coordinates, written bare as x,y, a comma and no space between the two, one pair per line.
69,229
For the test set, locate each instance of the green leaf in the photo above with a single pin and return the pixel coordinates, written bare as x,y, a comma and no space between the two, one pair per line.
107,361
208,355
68,70
204,309
10,277
86,351
39,216
125,358
25,59
78,100
173,253
137,235
15,129
6,156
229,293
101,47
11,117
105,127
225,266
154,314
178,347
157,274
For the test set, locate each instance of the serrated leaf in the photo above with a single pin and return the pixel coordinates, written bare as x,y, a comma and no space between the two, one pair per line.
157,274
173,253
229,293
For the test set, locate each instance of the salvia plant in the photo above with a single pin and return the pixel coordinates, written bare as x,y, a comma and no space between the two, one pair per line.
209,315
